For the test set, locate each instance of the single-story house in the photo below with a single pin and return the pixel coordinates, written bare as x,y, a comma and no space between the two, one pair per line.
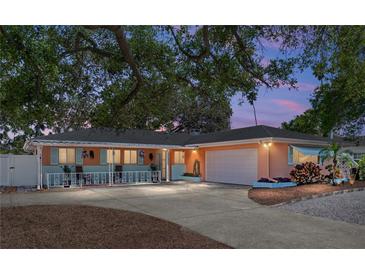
237,156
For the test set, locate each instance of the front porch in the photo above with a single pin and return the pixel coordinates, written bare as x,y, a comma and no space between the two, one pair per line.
70,166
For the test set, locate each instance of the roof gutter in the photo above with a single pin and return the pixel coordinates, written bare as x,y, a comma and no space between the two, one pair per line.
259,140
29,144
102,144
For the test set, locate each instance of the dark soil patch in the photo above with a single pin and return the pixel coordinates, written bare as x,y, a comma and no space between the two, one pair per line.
277,196
8,189
67,226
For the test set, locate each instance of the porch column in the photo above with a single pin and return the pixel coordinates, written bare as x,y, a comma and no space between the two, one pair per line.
39,166
167,165
268,161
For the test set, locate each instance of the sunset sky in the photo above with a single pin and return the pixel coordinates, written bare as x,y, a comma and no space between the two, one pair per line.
276,105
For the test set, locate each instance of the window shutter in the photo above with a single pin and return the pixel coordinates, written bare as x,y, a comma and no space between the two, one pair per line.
290,155
54,156
103,155
79,155
140,156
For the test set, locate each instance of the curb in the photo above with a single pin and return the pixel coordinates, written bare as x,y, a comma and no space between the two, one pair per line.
318,196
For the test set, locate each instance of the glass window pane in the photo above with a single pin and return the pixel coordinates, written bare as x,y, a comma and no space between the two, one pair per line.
127,156
117,156
109,156
71,156
62,156
133,156
179,157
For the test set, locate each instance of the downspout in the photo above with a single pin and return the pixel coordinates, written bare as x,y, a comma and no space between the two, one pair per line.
167,165
39,166
268,161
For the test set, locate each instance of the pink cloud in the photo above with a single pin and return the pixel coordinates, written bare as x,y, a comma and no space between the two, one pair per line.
302,86
290,105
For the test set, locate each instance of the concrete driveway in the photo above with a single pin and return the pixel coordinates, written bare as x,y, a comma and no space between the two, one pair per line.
221,212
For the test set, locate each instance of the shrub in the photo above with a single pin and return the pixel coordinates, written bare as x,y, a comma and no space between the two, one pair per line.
265,180
362,168
306,173
282,179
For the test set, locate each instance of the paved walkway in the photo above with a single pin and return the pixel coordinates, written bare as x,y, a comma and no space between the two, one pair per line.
347,207
221,212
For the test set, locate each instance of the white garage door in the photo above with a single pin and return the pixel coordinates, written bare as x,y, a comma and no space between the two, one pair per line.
237,166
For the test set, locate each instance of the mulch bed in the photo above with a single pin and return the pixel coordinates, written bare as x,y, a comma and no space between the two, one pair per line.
8,189
281,195
65,226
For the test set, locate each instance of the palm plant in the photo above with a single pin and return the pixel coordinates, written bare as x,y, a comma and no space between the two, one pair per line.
328,153
350,166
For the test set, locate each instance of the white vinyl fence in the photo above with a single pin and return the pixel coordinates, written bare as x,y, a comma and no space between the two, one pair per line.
18,170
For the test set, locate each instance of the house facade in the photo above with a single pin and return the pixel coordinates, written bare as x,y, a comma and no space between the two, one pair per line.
109,156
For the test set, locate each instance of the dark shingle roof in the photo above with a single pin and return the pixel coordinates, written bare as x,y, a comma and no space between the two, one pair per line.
251,133
133,136
138,136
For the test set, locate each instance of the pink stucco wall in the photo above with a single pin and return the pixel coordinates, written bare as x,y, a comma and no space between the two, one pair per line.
278,159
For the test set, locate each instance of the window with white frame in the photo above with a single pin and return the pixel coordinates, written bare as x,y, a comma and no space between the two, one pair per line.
110,154
130,157
297,157
179,157
358,156
66,156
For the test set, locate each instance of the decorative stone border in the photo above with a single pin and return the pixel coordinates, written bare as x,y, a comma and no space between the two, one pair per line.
319,196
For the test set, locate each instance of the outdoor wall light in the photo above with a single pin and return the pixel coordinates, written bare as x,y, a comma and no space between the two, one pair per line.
194,150
267,145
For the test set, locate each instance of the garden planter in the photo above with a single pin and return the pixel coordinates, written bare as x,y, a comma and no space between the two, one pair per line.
273,185
194,179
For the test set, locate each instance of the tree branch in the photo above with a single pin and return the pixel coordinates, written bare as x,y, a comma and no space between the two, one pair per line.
93,48
98,51
204,52
127,54
251,68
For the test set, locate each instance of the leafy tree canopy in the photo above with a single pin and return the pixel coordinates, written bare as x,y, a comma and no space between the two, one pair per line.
180,78
337,57
61,77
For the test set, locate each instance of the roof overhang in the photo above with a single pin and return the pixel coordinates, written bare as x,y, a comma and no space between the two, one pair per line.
261,140
32,144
